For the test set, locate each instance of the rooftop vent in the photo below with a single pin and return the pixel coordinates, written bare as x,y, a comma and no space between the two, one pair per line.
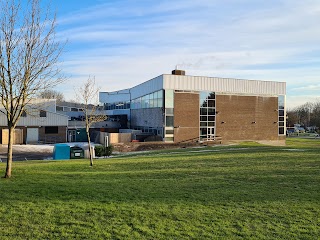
178,72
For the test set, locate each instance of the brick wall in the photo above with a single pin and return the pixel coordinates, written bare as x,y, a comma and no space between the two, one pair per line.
186,116
246,117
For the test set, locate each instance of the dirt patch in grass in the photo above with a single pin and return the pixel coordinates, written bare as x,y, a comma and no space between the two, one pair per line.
148,146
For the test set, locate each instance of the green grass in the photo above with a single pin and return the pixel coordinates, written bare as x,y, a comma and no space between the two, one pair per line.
248,191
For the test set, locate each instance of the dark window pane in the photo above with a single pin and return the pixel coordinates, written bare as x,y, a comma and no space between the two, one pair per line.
203,111
23,114
211,118
203,124
281,130
211,111
43,113
211,103
281,124
203,131
281,113
281,118
211,124
169,121
203,118
51,130
212,95
169,131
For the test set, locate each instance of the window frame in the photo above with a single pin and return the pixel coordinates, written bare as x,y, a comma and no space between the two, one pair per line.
49,130
43,113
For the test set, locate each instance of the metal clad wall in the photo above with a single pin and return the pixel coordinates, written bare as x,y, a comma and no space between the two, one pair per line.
227,85
113,97
145,88
52,119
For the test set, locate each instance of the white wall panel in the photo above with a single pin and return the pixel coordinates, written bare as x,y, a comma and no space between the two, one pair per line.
145,88
111,97
227,85
52,119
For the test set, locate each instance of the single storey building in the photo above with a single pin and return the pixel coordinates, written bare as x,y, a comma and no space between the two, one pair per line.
39,123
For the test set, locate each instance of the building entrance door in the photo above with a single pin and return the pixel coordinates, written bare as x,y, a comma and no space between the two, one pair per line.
210,133
32,135
71,135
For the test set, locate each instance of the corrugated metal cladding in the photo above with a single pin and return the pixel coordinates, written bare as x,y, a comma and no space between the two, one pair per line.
226,85
145,88
113,97
116,96
52,119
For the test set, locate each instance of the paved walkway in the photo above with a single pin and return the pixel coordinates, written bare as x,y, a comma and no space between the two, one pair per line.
27,152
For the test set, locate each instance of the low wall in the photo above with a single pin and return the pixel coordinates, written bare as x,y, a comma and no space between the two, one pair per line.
115,137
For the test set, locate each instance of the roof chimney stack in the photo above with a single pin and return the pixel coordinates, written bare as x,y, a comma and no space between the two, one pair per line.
178,72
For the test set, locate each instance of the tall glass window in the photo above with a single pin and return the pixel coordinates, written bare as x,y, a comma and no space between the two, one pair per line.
207,115
169,116
281,115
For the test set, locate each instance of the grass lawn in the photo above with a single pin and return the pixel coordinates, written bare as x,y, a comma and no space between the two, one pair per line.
247,191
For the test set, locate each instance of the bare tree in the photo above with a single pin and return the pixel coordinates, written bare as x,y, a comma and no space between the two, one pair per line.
51,94
88,94
29,55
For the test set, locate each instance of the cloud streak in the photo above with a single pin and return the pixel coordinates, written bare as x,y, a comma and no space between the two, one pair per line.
127,42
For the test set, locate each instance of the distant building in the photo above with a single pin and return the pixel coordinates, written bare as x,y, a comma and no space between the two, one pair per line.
76,125
184,108
38,123
299,129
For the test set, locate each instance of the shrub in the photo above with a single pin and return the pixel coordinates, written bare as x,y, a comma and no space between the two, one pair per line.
102,151
98,150
108,150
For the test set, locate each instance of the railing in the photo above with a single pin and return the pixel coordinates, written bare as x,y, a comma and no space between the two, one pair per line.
214,139
191,140
205,140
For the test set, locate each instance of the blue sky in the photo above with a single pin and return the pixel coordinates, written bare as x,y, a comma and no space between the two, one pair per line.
124,42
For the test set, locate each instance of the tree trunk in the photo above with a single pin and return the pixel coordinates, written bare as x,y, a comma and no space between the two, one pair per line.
9,153
90,151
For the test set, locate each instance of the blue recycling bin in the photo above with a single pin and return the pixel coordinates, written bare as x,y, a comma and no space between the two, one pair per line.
61,151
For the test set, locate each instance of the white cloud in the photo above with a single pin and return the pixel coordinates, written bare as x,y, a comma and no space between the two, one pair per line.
307,88
278,40
295,101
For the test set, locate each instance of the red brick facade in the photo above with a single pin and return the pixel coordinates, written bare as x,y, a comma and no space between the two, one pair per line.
246,117
237,117
186,116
